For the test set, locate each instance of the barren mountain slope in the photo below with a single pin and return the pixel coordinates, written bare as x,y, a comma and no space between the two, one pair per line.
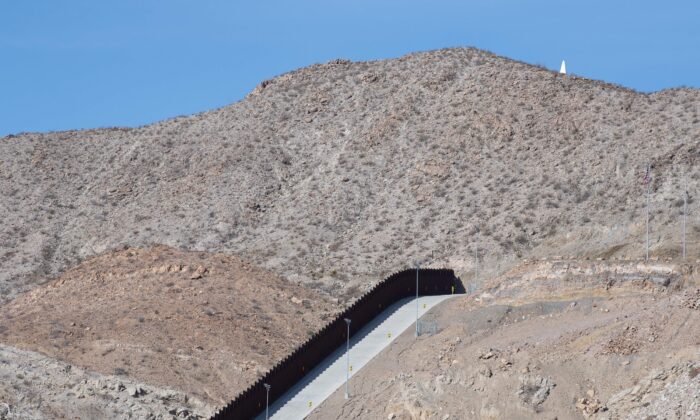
557,339
205,324
339,173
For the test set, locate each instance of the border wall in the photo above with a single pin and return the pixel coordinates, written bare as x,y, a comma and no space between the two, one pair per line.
307,356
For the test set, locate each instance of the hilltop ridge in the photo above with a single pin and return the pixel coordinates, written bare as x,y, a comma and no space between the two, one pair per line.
338,173
175,253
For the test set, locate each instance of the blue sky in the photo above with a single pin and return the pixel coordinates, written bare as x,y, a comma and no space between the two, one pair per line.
81,64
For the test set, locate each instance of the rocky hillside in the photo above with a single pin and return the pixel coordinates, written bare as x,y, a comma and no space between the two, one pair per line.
35,387
205,324
562,339
338,173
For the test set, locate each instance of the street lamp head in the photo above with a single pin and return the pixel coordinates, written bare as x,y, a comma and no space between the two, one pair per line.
348,321
267,386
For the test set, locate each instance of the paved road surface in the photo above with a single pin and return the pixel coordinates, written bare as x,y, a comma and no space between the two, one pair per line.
321,382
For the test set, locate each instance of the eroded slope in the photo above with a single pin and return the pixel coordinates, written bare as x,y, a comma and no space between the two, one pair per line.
205,324
625,349
340,173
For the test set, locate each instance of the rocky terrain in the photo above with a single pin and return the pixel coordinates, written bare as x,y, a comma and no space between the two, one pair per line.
339,173
33,386
203,324
188,255
602,346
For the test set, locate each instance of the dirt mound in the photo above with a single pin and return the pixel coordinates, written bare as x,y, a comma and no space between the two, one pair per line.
206,324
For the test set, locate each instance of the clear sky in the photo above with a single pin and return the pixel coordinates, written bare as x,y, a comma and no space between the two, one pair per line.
95,63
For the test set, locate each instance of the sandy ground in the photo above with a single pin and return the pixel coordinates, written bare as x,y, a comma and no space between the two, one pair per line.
205,324
615,355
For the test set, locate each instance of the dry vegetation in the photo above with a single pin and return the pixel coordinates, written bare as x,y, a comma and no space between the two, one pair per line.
338,173
557,339
205,324
331,177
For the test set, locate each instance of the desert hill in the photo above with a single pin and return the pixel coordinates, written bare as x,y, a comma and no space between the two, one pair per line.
338,173
185,257
204,324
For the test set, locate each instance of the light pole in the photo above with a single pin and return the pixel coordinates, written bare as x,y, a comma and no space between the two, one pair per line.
647,246
417,269
347,359
476,260
267,400
685,211
647,182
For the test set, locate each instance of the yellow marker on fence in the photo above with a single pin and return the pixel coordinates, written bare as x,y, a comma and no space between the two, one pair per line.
453,290
424,305
350,368
310,404
388,335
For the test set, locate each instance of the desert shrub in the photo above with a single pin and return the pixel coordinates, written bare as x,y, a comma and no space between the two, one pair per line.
582,196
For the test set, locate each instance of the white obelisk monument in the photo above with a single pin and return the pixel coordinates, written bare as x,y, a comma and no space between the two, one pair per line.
562,69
